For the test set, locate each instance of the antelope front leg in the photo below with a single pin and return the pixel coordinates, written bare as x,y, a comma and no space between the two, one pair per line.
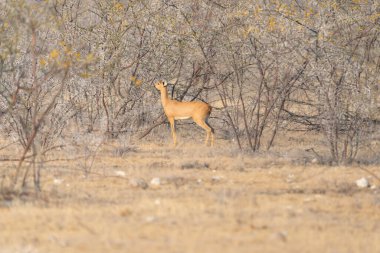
172,127
207,137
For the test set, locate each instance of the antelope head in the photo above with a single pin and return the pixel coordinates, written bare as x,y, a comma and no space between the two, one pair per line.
160,85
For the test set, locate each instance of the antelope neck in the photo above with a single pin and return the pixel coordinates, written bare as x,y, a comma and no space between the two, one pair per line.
164,96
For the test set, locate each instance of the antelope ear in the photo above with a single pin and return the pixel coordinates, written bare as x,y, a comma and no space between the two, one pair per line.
165,83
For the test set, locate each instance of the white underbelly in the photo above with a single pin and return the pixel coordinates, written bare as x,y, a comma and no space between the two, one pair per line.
186,117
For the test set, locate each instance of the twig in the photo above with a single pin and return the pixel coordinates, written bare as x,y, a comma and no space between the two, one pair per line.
4,147
315,153
160,122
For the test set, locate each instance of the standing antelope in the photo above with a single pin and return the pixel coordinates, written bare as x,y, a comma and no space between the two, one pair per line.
175,110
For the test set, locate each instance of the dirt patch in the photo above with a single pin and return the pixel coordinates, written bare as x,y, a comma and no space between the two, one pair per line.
203,200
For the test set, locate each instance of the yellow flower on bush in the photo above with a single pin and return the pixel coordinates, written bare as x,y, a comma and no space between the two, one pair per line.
84,75
272,23
43,62
89,58
77,56
118,7
309,13
138,82
54,54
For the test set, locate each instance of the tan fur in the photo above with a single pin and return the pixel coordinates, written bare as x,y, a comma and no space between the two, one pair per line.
176,110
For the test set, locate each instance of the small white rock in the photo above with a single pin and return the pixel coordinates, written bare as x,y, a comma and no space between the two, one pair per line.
150,218
58,181
120,173
362,183
373,187
155,181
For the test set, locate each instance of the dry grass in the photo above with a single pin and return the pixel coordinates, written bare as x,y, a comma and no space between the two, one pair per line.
208,200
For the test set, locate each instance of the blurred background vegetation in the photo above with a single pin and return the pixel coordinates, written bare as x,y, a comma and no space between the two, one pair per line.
71,68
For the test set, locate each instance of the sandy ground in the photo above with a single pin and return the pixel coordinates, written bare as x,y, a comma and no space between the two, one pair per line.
153,198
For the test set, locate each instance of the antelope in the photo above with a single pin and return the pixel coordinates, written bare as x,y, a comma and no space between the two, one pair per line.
176,110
